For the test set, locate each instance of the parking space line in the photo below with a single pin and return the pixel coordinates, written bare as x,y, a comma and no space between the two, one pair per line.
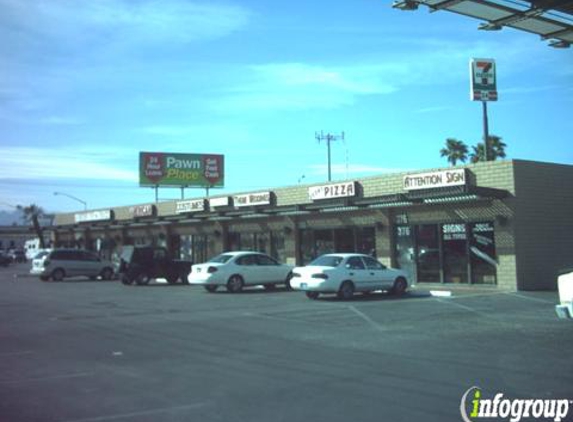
459,305
533,299
366,318
141,413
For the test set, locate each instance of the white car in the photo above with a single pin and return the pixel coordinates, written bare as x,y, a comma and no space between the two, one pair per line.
346,273
234,270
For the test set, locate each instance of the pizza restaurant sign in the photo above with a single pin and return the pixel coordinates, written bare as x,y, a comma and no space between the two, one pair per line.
337,190
436,179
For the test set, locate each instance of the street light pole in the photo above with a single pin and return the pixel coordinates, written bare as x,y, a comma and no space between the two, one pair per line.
74,198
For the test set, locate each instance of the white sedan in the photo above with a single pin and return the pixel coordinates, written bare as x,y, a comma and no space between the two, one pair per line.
345,274
238,269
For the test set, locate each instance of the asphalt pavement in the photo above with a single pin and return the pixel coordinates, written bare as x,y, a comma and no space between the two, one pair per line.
87,351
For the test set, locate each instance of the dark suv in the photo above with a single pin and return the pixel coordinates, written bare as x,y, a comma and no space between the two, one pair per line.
62,263
141,264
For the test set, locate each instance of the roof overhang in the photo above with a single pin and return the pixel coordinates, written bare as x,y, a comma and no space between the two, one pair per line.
552,20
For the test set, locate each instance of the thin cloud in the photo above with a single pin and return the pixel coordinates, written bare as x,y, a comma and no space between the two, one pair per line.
300,86
37,163
113,20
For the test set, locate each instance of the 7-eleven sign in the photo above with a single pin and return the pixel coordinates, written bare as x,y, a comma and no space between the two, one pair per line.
483,85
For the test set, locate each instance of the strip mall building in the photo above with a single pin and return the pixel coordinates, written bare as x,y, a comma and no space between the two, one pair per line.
506,224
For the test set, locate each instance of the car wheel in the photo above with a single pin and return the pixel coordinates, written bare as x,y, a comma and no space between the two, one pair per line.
400,286
142,279
106,274
58,274
287,282
125,279
211,288
235,284
346,290
312,295
172,279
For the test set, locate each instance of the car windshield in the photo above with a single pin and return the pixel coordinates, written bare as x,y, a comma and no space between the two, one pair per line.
327,261
221,259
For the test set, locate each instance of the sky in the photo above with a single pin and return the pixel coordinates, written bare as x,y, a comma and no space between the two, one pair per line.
86,86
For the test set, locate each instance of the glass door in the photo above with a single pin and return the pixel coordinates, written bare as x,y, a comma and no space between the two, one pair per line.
405,251
428,253
483,257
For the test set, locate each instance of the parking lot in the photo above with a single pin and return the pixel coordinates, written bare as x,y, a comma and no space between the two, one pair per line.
83,351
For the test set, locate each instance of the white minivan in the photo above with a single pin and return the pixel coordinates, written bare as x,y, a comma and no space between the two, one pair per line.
63,263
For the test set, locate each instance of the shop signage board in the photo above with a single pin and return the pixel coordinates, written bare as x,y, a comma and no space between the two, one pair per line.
252,199
142,210
336,190
100,215
483,84
436,179
193,205
181,170
223,201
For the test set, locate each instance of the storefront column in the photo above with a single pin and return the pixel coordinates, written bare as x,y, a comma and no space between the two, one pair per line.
292,241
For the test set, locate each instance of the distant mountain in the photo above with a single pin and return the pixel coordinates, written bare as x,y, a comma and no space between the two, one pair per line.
10,218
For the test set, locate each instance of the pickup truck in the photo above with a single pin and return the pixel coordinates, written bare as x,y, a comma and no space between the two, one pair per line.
141,264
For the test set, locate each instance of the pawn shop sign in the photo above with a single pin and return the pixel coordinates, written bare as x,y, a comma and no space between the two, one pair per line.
483,81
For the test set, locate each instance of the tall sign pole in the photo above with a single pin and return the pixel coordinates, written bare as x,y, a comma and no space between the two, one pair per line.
328,137
483,87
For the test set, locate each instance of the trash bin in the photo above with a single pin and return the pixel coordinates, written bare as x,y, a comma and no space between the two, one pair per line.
565,286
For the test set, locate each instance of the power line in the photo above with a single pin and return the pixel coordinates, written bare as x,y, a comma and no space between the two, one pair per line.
328,137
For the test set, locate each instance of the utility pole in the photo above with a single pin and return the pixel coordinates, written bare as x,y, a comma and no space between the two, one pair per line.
328,137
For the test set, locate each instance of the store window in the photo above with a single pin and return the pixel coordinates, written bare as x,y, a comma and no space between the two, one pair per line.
306,247
455,251
366,240
193,248
447,253
314,243
271,243
278,249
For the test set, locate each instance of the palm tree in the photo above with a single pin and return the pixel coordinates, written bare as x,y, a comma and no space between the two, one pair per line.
32,214
497,147
478,153
455,151
496,150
